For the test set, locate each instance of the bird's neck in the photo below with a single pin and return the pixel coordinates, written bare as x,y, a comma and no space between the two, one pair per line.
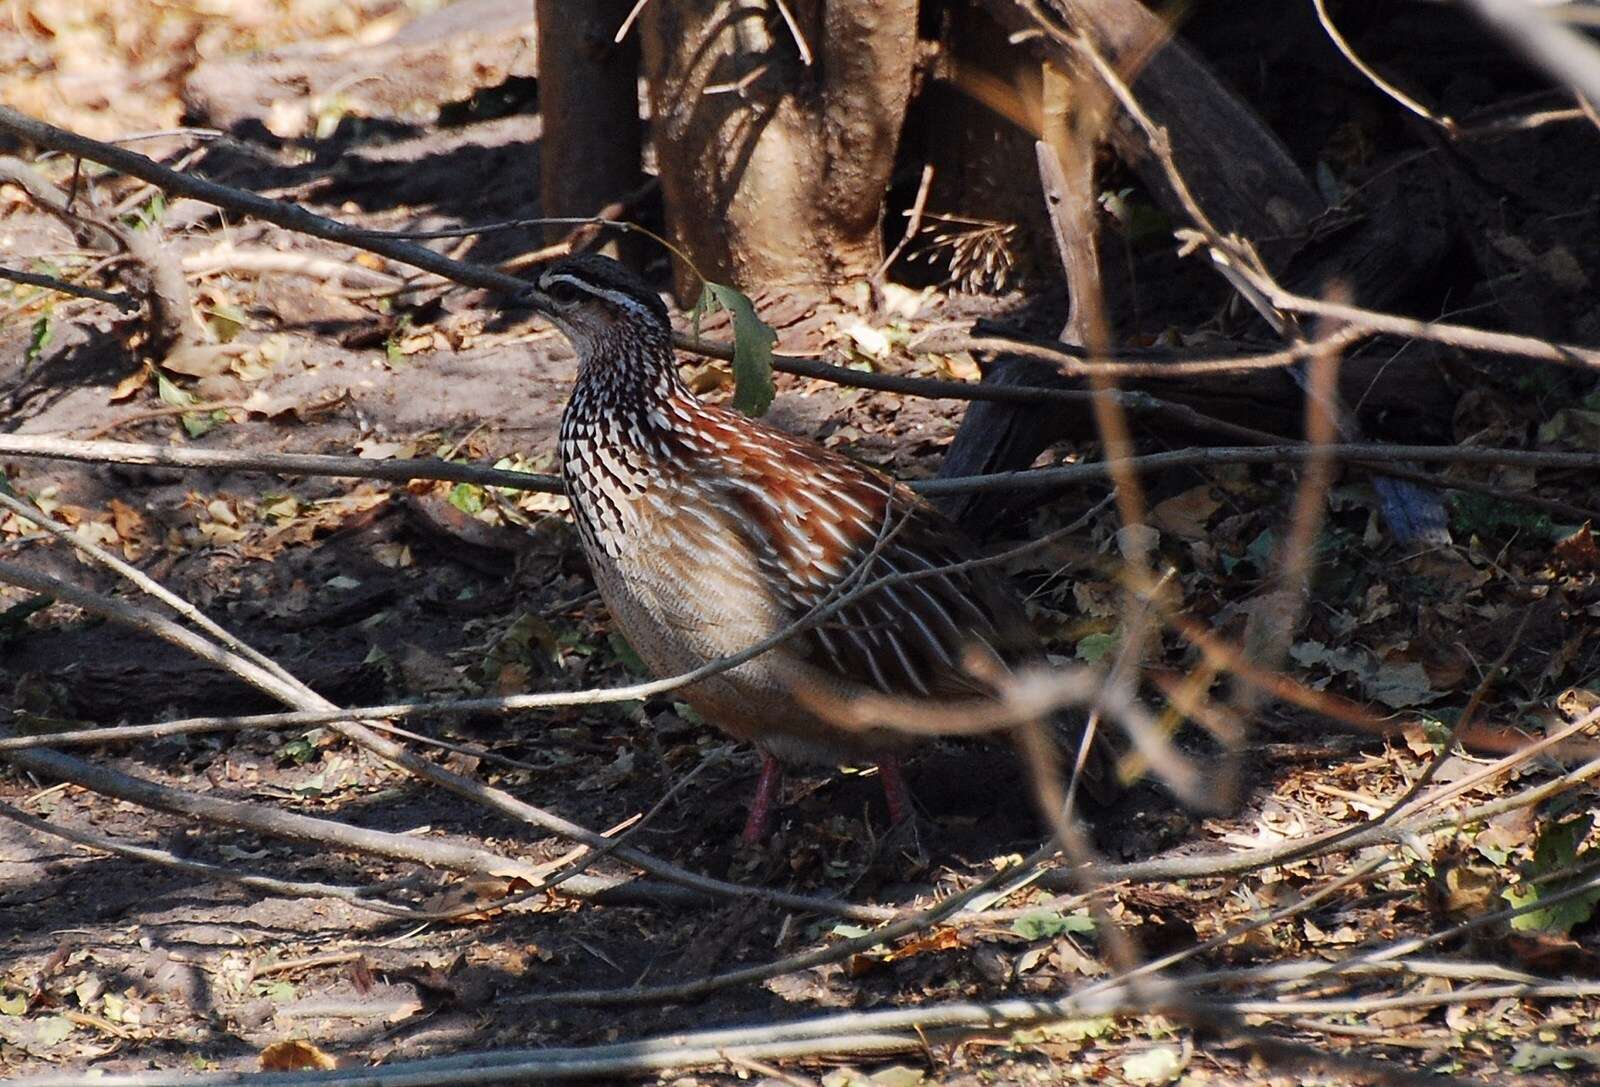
627,378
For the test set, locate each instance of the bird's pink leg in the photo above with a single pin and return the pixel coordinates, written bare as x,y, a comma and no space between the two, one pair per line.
895,791
767,786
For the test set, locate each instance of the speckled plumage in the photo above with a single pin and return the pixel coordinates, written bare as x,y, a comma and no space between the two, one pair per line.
709,531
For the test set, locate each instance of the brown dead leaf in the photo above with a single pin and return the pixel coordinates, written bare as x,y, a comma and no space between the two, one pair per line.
1575,702
128,521
1469,889
1553,956
130,385
942,940
1391,1018
295,1056
478,899
201,359
1185,515
1578,551
1416,739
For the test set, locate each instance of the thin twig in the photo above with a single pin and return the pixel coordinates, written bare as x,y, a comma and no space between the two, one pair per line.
1399,96
290,464
1072,364
794,31
121,299
627,23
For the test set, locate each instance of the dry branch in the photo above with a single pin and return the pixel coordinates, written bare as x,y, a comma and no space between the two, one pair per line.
121,300
869,1033
1375,454
361,898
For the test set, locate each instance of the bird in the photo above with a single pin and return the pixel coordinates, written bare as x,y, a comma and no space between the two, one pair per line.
708,531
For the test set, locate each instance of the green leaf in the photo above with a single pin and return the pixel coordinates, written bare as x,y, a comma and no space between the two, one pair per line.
51,1031
299,751
1042,924
1161,1064
467,497
227,321
1094,647
752,346
38,340
172,395
200,423
1559,849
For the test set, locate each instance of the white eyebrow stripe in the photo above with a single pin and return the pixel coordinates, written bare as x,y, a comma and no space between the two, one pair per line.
619,298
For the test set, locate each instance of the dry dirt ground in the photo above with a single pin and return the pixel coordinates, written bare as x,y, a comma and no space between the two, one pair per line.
372,592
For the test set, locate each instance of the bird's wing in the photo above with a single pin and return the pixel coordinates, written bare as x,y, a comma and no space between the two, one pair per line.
822,525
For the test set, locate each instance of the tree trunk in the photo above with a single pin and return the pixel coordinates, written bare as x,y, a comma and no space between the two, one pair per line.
589,102
774,169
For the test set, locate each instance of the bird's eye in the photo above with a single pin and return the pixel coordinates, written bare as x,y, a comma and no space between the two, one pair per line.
561,290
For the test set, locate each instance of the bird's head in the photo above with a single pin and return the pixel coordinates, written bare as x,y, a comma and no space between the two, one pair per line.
600,306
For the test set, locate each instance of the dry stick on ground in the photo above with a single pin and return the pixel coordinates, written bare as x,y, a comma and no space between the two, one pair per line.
434,853
121,300
362,898
291,464
867,1034
401,471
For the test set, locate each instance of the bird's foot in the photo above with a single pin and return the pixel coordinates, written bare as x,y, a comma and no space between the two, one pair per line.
768,788
895,792
903,843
